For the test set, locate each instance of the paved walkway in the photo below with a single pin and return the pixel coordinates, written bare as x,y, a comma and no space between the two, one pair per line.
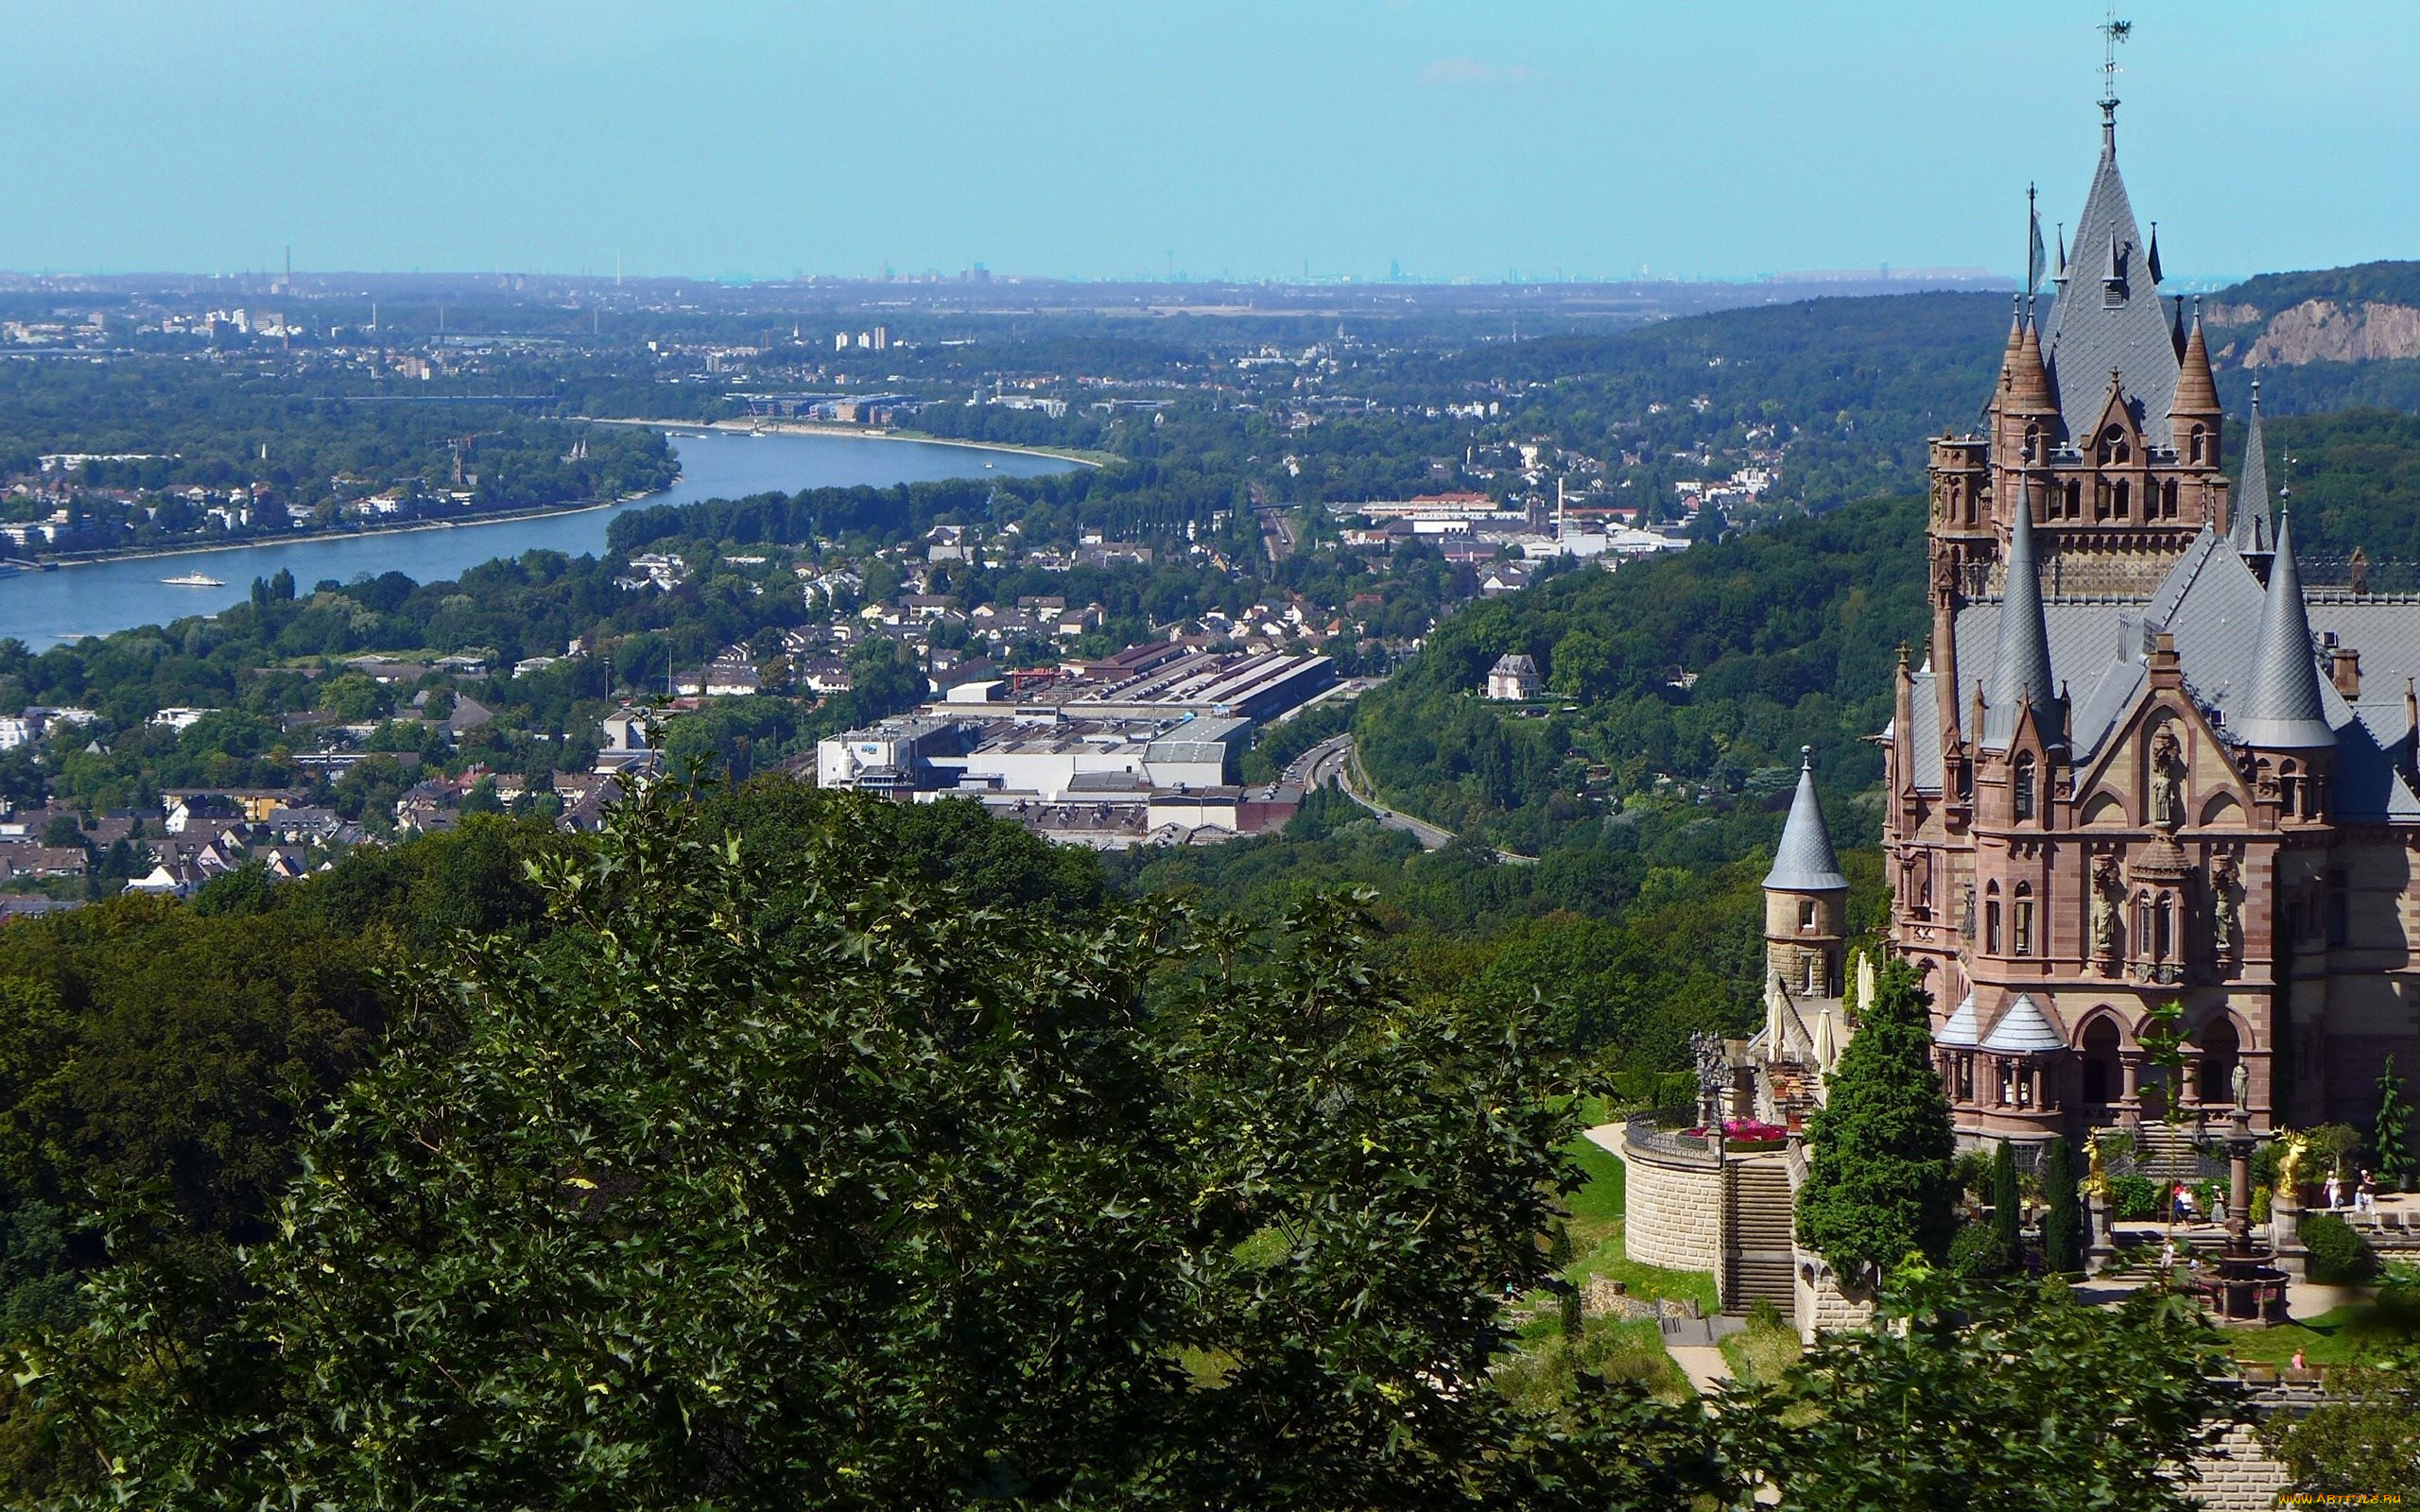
1702,1364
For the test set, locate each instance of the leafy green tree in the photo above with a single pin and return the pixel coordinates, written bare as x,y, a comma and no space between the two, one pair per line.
1991,1394
2164,1040
774,1180
2063,1237
2390,1141
1881,1187
2008,1199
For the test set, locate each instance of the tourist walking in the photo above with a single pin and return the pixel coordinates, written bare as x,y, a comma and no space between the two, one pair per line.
2365,1199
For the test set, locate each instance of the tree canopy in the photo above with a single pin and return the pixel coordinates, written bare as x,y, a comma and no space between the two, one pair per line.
1880,1187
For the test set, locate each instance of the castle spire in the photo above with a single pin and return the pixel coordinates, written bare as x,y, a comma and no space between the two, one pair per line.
2250,531
2197,391
1804,861
2281,705
2021,662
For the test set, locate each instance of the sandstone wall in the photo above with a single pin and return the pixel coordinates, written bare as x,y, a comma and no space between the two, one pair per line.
1674,1211
2246,1481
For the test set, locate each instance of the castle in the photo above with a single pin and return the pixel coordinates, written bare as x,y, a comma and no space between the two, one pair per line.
2143,759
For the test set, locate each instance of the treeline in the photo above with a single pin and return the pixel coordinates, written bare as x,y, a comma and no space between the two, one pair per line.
195,423
759,1151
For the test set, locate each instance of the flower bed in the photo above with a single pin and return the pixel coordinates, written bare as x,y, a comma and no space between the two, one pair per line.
1747,1133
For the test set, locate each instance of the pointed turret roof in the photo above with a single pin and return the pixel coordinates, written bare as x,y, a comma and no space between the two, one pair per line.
2197,392
1804,861
2114,320
2021,664
2250,531
2281,707
2028,391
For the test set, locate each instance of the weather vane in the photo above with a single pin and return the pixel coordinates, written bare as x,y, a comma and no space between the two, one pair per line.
2113,32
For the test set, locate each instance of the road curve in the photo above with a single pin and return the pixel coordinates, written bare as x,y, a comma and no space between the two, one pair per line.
1331,762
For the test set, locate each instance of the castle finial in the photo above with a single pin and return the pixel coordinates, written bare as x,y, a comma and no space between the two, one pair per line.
2113,32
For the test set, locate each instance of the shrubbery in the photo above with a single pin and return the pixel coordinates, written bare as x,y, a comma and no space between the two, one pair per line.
2339,1254
2135,1196
1980,1250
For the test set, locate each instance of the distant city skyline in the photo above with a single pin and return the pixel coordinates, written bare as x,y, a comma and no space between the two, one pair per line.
1089,140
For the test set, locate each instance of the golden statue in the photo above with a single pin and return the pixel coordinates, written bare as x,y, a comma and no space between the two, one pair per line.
2290,1166
2095,1178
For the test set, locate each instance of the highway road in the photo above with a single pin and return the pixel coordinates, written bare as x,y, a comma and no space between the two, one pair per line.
1330,761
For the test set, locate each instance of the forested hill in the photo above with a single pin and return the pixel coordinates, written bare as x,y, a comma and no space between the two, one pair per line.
1845,389
1687,682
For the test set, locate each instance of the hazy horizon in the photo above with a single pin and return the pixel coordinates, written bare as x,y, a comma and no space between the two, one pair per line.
1565,141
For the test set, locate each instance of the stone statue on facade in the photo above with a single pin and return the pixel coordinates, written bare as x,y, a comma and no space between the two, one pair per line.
2106,895
2227,918
1713,1065
2241,1080
2168,780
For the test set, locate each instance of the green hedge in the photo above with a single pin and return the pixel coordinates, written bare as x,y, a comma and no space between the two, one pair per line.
2337,1252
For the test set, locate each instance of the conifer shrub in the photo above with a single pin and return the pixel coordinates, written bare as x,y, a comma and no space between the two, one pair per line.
2008,1199
2339,1255
2063,1236
1881,1186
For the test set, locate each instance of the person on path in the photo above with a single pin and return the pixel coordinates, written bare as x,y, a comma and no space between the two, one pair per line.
2334,1190
2366,1198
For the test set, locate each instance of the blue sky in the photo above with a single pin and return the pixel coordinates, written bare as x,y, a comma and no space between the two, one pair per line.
1079,137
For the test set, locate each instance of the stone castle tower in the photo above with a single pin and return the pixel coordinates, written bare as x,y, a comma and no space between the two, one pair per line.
2142,761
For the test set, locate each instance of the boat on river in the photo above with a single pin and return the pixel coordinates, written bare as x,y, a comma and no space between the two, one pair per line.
193,580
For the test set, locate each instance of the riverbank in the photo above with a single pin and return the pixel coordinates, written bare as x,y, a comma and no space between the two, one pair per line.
785,425
96,558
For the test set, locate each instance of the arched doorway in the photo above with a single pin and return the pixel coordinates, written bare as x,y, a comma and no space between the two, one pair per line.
2103,1075
2220,1049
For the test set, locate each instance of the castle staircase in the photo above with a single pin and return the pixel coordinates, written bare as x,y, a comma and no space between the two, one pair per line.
1756,1256
2166,1153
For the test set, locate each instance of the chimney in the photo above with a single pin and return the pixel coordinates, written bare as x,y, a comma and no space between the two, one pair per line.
2343,666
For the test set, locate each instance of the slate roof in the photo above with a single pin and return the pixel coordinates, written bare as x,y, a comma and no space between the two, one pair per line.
2023,1030
1804,861
2252,529
2108,314
2021,662
2214,606
2281,705
1965,1030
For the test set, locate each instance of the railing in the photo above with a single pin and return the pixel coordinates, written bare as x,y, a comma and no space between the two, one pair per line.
1671,1143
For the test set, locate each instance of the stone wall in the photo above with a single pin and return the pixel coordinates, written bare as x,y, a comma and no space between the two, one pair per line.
1674,1211
2246,1481
1822,1306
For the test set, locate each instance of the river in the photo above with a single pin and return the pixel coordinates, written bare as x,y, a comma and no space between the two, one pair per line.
95,598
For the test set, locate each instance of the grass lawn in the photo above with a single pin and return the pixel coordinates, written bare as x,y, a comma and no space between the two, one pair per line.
1597,1246
1761,1353
2338,1337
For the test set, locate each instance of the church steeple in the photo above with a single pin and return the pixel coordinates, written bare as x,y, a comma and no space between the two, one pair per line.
2280,707
2021,662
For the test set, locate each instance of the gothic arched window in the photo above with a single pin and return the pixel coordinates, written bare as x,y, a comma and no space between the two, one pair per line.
2022,788
2021,925
2200,447
2032,440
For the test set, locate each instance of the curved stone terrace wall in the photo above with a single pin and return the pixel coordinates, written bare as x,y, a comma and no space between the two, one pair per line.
1673,1187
